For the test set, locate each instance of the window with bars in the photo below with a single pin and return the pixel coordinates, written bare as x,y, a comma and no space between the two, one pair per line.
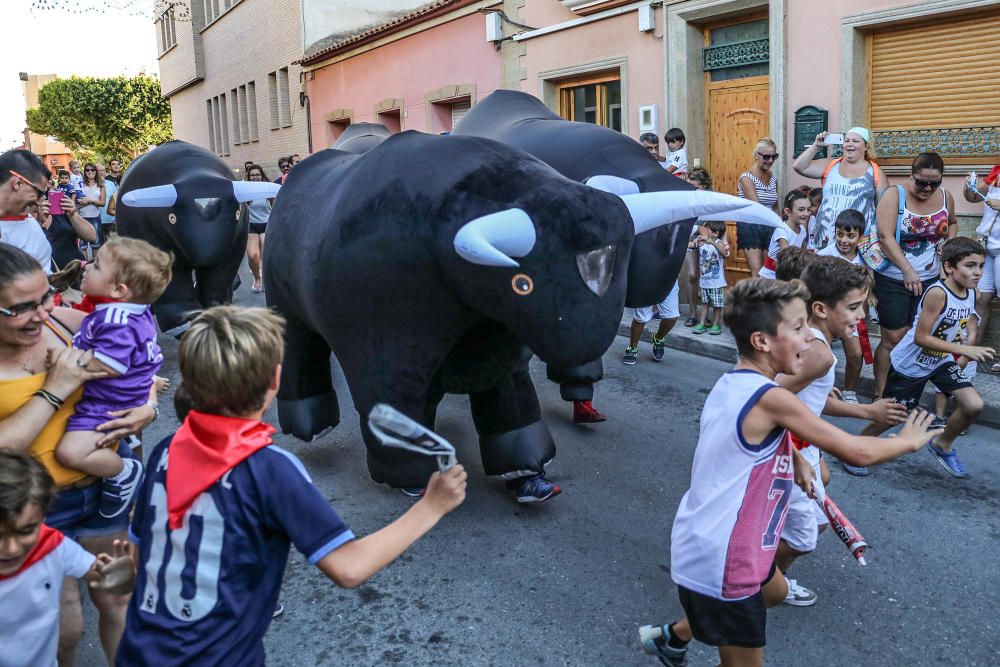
168,30
278,97
218,124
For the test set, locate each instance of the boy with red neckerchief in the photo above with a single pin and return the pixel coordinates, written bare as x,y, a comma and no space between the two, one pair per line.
34,559
220,506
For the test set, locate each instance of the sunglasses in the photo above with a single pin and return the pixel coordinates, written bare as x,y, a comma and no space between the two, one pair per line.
40,192
926,185
20,309
89,169
768,157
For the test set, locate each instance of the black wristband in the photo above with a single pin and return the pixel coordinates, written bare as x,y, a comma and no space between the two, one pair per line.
50,398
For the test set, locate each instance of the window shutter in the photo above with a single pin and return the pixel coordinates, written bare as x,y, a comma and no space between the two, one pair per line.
458,111
941,75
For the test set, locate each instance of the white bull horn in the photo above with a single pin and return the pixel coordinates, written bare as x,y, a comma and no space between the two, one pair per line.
251,190
613,184
493,239
654,209
158,196
755,213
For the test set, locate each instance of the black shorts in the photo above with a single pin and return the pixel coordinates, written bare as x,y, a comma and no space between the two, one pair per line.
897,306
717,622
258,227
948,378
751,236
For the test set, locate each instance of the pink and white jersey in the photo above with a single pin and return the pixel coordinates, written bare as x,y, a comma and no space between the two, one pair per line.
729,522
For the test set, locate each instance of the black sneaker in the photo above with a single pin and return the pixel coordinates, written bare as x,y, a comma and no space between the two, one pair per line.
658,345
116,497
655,643
536,489
631,356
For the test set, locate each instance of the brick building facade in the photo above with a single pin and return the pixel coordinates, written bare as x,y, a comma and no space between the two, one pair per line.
229,76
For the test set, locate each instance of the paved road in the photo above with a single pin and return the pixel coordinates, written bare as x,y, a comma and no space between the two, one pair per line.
568,582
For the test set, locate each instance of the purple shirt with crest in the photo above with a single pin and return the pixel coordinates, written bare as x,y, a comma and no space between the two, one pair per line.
123,337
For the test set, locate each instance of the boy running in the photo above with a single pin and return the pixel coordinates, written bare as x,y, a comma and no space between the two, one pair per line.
728,524
220,505
837,293
934,350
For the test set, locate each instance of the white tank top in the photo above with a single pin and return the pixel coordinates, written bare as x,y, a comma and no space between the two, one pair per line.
815,394
951,325
728,524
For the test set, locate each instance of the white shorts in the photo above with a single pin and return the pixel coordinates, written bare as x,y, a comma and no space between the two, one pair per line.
990,281
668,309
804,517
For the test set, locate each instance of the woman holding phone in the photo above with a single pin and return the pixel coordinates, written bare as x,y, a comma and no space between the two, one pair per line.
65,228
851,182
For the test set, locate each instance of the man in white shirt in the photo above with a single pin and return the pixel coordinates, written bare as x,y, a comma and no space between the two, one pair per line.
26,233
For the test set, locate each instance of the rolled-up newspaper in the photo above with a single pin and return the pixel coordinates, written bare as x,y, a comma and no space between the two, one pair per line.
394,429
845,530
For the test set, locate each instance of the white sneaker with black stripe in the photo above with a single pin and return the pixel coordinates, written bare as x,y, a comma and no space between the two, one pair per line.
799,596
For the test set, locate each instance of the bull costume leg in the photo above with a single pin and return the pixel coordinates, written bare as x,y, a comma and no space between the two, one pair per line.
576,384
513,440
307,402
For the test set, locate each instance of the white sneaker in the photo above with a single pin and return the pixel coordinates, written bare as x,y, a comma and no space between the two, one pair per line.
849,397
799,596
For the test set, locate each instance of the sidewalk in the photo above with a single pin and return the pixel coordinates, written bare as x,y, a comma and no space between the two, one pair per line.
723,347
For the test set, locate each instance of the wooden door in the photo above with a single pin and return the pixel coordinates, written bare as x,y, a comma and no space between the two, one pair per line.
738,116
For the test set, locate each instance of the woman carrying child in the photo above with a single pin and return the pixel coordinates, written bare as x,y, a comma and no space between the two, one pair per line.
37,398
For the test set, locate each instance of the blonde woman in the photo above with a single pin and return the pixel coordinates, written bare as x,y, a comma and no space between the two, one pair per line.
759,183
853,181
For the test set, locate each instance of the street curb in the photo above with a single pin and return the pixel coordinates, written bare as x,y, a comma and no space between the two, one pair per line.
706,346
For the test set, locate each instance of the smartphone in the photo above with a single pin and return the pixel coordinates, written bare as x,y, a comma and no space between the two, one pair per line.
834,139
55,202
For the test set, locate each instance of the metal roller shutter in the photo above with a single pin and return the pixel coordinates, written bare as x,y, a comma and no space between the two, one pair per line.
458,110
945,74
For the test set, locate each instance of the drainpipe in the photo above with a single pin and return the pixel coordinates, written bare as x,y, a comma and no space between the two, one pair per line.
304,102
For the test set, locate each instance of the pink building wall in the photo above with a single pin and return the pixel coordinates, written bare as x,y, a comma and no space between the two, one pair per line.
454,53
814,74
609,38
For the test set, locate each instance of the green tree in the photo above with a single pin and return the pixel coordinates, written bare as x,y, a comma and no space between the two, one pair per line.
117,117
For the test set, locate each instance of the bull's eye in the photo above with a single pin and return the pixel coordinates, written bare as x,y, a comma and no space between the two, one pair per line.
172,218
208,207
522,284
596,268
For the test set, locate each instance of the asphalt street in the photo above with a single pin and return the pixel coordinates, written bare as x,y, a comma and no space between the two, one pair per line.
568,582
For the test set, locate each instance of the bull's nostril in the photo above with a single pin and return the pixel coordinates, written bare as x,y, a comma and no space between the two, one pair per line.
596,268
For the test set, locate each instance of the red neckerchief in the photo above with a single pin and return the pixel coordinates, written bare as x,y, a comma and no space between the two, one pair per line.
13,218
48,540
204,448
994,176
90,303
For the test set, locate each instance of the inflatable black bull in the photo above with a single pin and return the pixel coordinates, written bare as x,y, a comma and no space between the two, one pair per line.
182,198
580,151
430,265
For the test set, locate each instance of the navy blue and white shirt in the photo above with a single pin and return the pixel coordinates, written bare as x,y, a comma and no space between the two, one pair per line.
205,593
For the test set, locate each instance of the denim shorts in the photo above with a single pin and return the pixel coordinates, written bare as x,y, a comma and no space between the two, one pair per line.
74,511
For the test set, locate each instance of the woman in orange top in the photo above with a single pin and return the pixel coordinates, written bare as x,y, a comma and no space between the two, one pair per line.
40,382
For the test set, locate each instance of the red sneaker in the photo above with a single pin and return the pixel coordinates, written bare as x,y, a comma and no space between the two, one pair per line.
584,413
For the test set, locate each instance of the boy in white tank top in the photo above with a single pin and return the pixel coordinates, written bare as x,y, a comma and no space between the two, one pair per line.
838,291
727,527
934,349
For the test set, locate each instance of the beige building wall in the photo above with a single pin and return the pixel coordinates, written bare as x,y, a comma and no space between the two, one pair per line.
248,42
39,144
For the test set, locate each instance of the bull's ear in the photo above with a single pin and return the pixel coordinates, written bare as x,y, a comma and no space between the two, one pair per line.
613,184
491,240
654,209
158,196
250,190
